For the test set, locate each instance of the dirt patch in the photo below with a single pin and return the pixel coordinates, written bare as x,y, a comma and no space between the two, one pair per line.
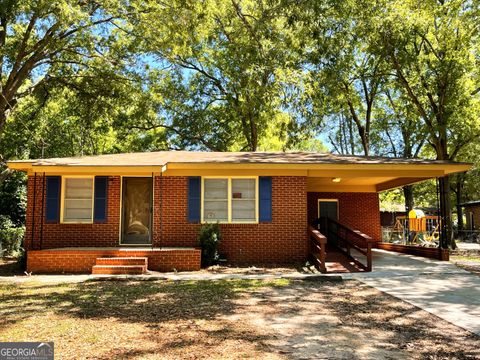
470,263
273,269
226,320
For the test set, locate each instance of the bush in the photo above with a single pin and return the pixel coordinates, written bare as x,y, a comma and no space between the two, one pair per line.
11,238
209,238
13,197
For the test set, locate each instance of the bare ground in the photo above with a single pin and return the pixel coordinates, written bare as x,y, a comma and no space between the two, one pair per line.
470,263
226,320
10,267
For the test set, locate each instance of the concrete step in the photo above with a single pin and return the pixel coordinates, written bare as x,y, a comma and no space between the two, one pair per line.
122,261
119,269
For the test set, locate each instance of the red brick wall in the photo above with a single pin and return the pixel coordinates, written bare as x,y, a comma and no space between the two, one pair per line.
47,236
359,211
76,261
282,240
475,210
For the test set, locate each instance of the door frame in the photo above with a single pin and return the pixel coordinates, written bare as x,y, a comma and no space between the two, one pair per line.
328,200
120,227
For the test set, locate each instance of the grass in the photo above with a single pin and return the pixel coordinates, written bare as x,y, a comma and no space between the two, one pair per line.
231,319
470,263
472,258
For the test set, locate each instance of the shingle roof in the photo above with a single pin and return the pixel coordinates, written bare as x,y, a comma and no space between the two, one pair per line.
160,158
470,203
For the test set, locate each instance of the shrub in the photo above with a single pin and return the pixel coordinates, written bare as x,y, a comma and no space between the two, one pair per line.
11,237
209,238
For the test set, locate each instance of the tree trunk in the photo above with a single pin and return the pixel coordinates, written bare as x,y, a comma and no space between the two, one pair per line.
445,213
459,201
441,149
458,193
3,117
408,194
351,138
253,135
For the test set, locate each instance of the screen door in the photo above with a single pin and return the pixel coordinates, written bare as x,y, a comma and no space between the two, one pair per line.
136,210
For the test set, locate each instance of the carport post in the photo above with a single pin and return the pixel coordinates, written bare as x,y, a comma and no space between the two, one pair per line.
444,217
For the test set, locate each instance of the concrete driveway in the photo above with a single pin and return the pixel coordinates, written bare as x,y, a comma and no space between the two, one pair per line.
438,287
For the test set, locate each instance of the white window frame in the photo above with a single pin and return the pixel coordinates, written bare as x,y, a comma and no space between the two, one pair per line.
62,198
229,200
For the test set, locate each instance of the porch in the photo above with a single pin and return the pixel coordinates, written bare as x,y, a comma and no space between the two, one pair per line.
335,247
83,259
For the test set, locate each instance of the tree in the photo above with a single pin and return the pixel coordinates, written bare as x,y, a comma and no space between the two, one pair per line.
429,46
229,71
45,42
399,131
466,186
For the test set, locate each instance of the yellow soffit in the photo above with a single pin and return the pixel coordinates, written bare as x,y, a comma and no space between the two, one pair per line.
328,166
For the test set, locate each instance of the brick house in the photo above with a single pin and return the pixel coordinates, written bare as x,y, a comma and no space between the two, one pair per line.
472,213
112,210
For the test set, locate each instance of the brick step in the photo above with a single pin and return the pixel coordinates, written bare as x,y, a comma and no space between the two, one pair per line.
122,261
119,269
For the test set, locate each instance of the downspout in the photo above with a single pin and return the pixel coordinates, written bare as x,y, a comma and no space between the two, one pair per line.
152,211
161,206
33,208
43,212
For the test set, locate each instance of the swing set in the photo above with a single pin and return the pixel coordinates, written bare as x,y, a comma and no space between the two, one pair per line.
416,229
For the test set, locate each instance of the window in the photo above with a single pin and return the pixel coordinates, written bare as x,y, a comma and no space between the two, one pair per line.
243,200
215,200
77,200
230,199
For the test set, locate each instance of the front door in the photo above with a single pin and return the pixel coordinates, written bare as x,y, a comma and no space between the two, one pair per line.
328,208
136,210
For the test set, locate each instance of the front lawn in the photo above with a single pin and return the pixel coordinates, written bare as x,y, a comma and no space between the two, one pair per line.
233,319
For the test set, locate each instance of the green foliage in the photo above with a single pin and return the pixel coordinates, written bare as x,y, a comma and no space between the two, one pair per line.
209,238
232,69
395,78
11,237
392,200
13,198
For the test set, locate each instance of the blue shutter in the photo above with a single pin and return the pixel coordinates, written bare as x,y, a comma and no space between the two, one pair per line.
52,205
100,200
194,186
265,198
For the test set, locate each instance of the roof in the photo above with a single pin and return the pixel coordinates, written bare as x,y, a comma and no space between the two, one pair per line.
351,173
160,158
401,208
470,203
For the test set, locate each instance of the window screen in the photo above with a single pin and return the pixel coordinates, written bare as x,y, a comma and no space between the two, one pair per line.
243,199
215,200
78,196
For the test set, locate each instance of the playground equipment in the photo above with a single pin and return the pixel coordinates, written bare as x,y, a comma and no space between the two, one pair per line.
415,229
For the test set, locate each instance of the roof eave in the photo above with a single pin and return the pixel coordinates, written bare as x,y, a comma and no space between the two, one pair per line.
423,170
